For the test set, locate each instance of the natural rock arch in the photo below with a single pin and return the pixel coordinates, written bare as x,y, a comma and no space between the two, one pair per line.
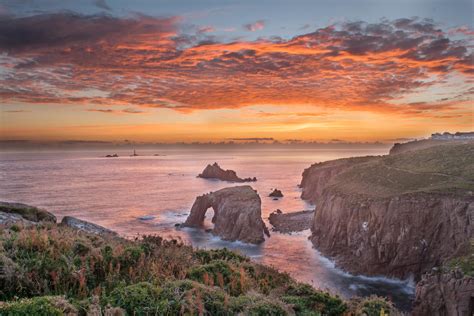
237,214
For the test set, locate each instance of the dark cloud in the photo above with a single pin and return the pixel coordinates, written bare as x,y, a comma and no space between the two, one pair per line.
102,4
255,26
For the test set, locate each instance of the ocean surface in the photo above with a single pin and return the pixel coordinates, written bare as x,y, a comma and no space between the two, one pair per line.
150,193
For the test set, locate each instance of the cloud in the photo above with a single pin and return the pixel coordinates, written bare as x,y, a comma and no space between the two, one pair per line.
148,62
255,26
206,29
112,111
102,4
16,111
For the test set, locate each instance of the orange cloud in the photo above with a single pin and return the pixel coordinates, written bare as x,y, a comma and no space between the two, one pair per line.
148,62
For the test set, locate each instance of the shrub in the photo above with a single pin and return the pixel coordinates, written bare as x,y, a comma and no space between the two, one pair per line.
218,273
374,306
138,299
189,297
257,304
206,256
305,299
41,306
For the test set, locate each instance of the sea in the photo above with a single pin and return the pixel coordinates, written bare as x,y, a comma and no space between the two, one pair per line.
150,193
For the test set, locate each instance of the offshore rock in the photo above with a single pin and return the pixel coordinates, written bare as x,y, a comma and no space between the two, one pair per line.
237,214
214,171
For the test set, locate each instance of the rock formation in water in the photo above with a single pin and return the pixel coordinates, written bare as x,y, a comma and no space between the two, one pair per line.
88,227
237,214
291,222
448,293
396,215
276,193
214,171
16,212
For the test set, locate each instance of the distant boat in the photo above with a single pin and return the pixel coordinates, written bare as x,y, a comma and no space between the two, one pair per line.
134,154
112,156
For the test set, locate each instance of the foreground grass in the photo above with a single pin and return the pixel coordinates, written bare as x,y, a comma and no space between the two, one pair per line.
54,270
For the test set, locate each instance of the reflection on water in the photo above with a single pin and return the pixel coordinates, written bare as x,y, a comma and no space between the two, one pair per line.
150,194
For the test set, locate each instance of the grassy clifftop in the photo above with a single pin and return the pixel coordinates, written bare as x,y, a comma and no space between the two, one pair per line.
49,269
443,168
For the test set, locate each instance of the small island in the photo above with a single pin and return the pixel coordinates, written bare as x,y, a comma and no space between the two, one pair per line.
214,171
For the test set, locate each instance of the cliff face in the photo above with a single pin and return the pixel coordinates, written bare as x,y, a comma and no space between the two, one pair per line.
237,214
444,294
397,236
317,177
395,215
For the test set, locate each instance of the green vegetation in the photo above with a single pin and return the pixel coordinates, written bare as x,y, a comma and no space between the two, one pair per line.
51,269
443,168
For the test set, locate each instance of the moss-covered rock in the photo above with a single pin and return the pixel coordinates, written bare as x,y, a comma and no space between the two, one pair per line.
28,212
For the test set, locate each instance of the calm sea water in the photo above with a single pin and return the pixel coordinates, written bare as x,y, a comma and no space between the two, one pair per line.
149,194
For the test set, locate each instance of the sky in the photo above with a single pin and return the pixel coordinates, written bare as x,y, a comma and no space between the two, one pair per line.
169,71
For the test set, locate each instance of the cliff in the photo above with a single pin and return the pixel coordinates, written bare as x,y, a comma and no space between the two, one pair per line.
396,215
214,171
424,143
448,293
237,214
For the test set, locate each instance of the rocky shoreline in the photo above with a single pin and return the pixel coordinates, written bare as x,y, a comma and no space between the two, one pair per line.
51,268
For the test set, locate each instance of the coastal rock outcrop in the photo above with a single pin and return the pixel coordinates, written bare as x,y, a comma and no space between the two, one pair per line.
86,226
214,171
13,212
393,215
237,214
440,294
291,222
276,193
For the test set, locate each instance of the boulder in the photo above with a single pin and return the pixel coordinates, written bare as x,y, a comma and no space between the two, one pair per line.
27,212
237,214
214,171
276,193
88,227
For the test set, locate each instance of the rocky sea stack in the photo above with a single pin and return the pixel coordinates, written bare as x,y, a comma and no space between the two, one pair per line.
237,214
214,171
276,193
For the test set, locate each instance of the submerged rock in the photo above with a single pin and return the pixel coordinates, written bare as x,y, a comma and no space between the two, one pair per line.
449,293
276,193
237,214
214,171
18,211
86,226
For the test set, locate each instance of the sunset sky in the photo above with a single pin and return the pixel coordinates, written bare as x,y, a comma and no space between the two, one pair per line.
212,70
